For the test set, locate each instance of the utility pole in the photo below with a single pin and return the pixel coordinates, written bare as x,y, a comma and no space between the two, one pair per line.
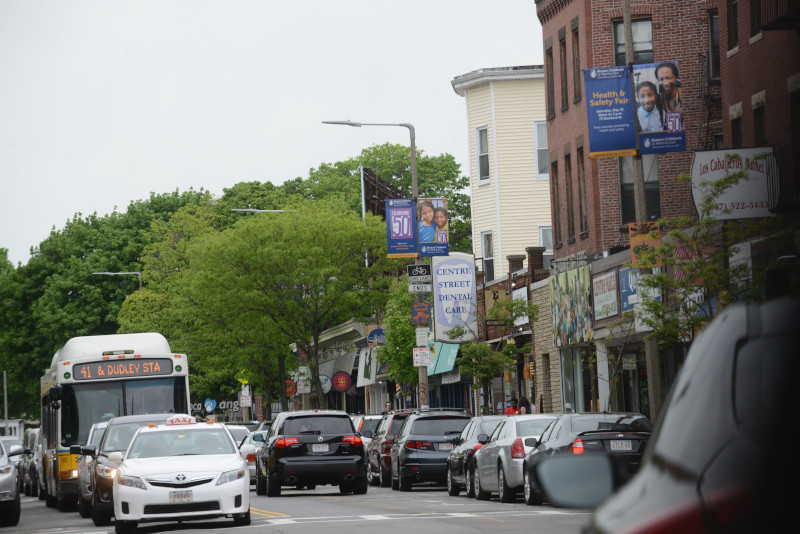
652,359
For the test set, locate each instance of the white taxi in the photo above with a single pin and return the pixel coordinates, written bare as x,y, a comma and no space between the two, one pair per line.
180,471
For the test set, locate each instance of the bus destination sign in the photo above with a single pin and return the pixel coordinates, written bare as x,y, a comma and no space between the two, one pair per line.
121,369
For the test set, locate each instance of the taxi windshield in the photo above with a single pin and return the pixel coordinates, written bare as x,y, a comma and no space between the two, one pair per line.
181,442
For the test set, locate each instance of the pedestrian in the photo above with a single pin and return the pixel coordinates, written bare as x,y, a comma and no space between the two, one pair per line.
512,410
525,406
388,408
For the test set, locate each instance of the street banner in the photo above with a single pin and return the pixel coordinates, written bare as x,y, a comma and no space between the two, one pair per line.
659,107
421,310
747,199
401,228
644,246
433,227
454,296
610,112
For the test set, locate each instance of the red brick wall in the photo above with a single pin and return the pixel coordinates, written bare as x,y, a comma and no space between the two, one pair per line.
680,32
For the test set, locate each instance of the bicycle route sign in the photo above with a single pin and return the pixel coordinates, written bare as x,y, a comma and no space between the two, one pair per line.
419,274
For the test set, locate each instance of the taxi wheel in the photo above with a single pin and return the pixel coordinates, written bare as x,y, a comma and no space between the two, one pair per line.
261,485
242,520
124,527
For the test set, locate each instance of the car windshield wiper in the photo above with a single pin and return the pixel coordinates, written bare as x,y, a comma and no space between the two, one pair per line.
310,432
453,432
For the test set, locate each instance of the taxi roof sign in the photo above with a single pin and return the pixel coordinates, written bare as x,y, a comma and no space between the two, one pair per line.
181,420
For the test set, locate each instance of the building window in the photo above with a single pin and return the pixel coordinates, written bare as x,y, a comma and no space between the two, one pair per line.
713,53
556,203
582,191
562,49
760,126
551,85
736,133
733,24
642,30
487,249
483,154
540,140
651,192
755,17
546,241
576,66
570,203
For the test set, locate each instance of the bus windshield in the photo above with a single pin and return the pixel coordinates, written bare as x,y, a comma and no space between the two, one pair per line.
87,403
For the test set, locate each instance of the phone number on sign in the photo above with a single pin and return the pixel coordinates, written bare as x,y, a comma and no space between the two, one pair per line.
751,205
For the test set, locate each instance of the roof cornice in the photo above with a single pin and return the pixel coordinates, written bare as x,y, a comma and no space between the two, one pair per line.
481,76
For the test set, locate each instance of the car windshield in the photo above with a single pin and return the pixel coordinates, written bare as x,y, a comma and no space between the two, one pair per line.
238,432
532,427
97,435
612,422
487,427
318,424
439,425
369,424
120,436
10,442
182,442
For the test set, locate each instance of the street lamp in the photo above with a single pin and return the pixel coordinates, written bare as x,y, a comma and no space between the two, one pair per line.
423,370
413,144
137,273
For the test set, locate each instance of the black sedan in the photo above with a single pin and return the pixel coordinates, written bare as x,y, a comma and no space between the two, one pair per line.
623,434
310,448
460,460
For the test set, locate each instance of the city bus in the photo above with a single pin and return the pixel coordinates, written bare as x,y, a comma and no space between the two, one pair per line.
95,378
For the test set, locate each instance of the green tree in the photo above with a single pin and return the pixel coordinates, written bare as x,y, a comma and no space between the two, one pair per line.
396,354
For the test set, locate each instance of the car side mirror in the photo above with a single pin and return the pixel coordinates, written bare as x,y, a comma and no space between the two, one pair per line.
389,437
75,449
258,437
570,481
15,450
483,439
531,442
88,450
115,456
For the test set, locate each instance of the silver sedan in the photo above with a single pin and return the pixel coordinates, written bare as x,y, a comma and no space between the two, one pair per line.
499,461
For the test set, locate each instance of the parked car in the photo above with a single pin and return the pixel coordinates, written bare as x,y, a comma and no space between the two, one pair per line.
366,423
460,459
178,471
239,432
622,434
11,441
84,478
380,447
420,451
10,507
257,440
38,462
498,464
27,467
310,448
116,438
715,461
263,426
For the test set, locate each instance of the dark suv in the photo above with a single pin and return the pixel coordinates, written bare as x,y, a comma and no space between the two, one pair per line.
309,448
379,468
117,437
421,447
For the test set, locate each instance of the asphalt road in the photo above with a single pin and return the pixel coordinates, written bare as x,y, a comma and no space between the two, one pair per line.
424,509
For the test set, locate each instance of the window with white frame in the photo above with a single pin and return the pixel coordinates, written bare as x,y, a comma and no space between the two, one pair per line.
487,249
642,30
540,140
483,154
546,241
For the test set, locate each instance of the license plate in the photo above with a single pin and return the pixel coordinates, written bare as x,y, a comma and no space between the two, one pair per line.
621,445
445,446
177,497
319,447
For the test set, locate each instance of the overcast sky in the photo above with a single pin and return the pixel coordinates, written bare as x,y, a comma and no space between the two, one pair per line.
102,102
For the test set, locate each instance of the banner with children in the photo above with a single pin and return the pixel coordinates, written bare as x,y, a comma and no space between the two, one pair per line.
433,227
656,107
659,107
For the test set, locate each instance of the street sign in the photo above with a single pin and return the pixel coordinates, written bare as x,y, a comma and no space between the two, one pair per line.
422,357
422,336
420,288
419,273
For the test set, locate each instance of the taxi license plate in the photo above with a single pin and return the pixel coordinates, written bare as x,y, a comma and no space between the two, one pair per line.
445,446
177,497
621,445
319,447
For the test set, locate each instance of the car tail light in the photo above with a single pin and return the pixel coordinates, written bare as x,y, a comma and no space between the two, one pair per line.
477,446
517,449
353,440
419,445
286,442
576,447
251,457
